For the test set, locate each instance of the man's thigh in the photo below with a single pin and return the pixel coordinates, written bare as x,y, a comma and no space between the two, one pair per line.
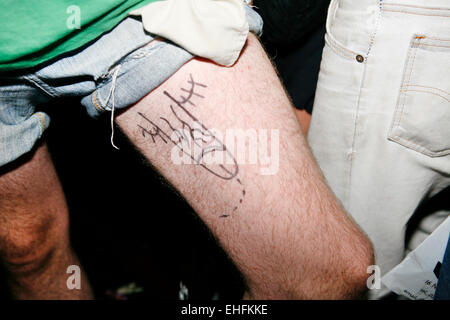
229,141
189,128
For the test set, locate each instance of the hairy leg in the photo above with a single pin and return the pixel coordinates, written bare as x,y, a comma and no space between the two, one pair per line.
283,227
34,234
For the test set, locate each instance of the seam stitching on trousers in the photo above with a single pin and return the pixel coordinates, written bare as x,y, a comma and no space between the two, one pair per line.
402,86
419,148
414,6
363,76
43,122
428,87
345,53
434,45
374,34
418,14
403,92
429,92
35,82
94,101
437,39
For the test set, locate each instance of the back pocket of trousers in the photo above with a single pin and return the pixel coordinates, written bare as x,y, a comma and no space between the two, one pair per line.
422,115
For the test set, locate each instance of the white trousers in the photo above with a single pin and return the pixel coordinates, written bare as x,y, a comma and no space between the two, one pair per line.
381,122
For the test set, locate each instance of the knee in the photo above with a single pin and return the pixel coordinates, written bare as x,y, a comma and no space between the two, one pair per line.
28,244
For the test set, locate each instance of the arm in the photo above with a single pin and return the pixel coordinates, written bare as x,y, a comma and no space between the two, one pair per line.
285,231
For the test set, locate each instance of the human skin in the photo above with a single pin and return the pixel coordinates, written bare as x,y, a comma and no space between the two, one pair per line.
34,231
304,118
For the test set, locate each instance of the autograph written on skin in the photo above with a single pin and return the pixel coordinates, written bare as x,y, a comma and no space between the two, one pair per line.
181,128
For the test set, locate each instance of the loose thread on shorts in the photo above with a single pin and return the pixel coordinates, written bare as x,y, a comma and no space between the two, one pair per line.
111,94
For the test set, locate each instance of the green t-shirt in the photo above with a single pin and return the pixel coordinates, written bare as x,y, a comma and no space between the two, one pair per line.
35,31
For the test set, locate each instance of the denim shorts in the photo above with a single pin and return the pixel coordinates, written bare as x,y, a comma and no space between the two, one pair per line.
118,69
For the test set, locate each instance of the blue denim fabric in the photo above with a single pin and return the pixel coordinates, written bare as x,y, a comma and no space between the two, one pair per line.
118,69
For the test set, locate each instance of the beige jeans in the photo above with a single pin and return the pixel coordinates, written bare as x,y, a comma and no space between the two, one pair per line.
380,129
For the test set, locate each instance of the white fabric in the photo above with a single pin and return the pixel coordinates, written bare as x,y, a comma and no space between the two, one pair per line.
213,29
380,128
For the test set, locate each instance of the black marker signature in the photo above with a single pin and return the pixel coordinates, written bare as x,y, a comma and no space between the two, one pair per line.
180,122
182,128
